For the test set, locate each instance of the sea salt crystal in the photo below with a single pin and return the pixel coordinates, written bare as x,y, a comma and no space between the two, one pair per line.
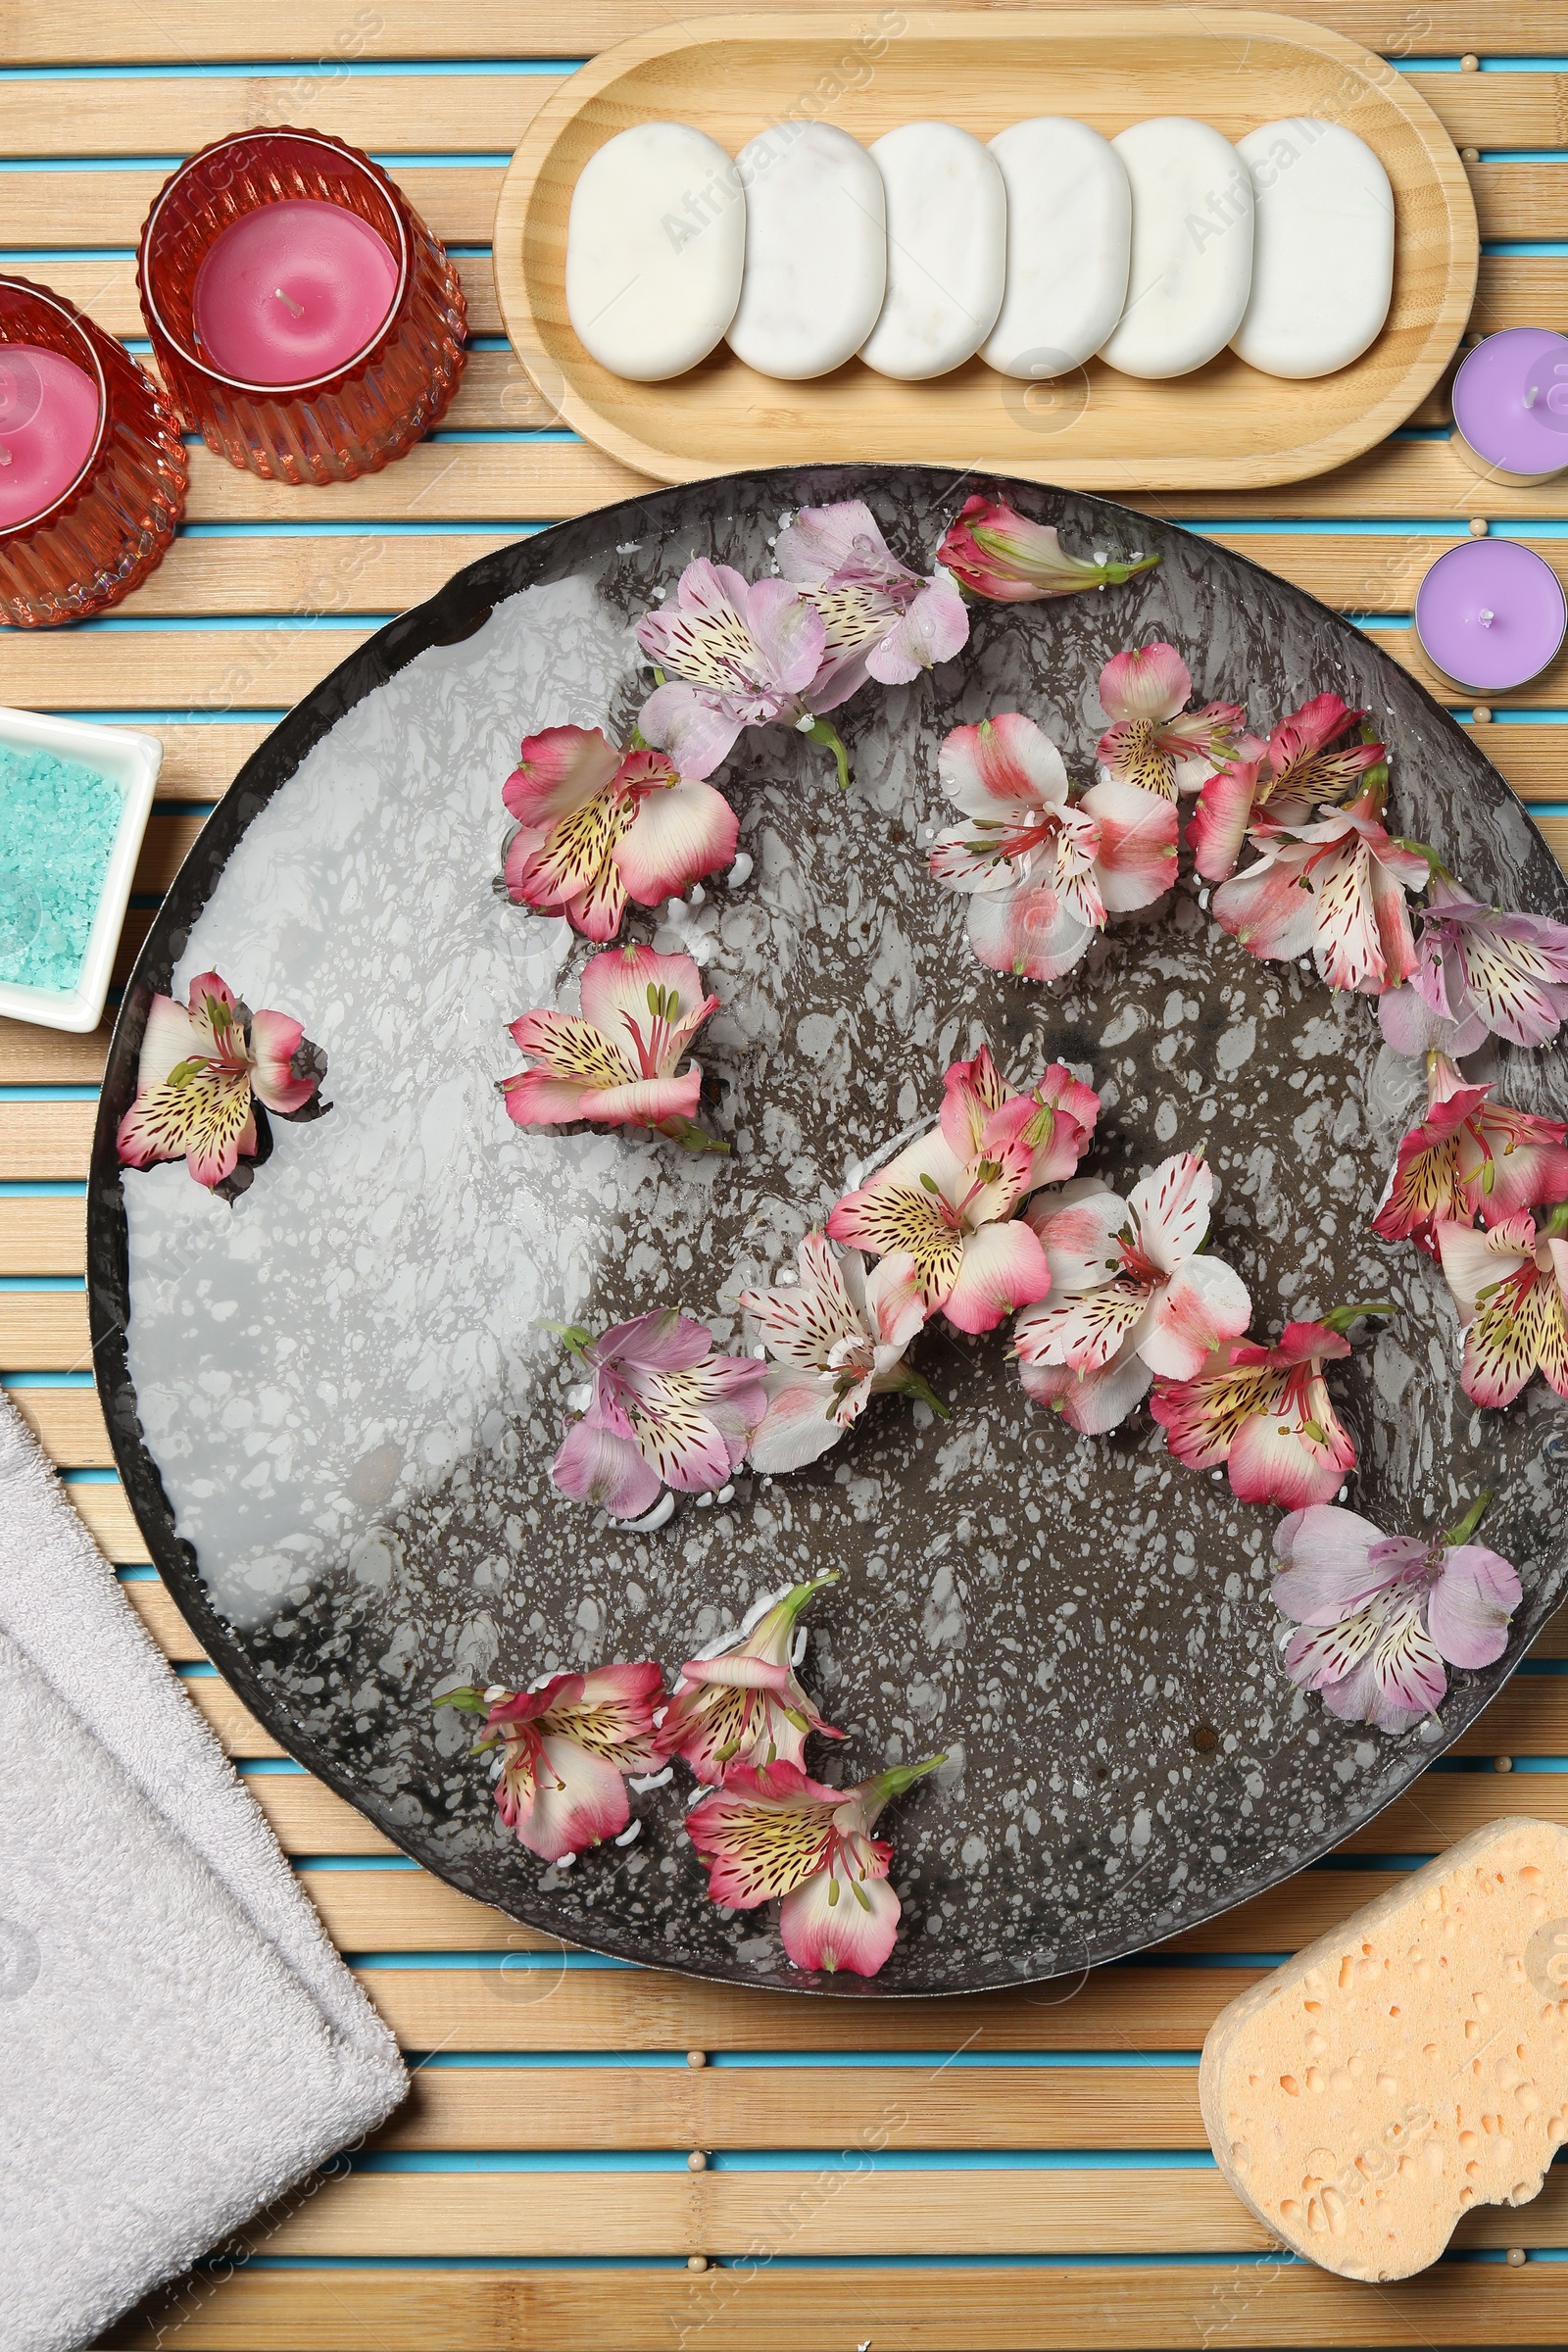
58,821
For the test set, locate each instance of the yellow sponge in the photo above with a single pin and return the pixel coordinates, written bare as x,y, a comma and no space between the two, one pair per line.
1408,2066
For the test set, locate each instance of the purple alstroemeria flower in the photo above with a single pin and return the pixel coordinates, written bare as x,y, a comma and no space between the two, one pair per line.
1379,1615
882,621
664,1412
737,655
1478,973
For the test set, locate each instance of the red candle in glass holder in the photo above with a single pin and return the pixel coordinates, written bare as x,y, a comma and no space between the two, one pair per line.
302,314
92,466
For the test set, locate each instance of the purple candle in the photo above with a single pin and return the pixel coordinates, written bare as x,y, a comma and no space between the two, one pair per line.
1490,614
1510,405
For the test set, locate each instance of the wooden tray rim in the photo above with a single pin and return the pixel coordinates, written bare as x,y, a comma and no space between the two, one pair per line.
1104,473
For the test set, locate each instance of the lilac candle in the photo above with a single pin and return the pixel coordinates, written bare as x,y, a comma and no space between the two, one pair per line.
1510,405
1491,614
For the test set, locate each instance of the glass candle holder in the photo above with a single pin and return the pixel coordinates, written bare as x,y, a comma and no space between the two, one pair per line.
94,474
229,297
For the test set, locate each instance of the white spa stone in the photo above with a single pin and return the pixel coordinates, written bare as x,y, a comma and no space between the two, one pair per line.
817,251
655,246
1069,236
1322,248
946,215
1192,254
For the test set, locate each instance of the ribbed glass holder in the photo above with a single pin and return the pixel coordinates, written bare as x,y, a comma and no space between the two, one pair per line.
335,426
110,528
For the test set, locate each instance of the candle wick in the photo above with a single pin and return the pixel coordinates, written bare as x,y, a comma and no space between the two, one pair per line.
296,308
5,455
1487,619
1529,396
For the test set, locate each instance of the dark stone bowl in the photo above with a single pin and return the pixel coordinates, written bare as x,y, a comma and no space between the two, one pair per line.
333,1405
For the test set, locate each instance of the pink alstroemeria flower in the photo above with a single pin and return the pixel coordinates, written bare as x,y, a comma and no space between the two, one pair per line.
1129,1296
1478,971
883,620
950,1198
1469,1158
597,826
840,1335
1265,1413
1510,1285
994,551
1334,891
1042,872
664,1412
1296,770
617,1062
775,1836
1154,741
746,1706
742,656
1379,1614
203,1067
561,1752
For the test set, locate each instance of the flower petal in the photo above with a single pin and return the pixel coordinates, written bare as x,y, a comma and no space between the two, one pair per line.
1000,767
680,833
1003,1267
1150,681
594,1464
691,725
558,771
839,1922
1326,1574
1136,860
1092,1402
799,1425
1471,1603
579,1801
1205,1302
1171,1209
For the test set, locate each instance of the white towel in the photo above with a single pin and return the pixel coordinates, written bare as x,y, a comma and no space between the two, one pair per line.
181,2042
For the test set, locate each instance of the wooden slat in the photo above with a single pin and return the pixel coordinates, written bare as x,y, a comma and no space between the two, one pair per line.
299,574
30,1056
1362,574
43,1142
488,113
540,481
800,2107
42,210
452,113
112,1522
236,1727
201,760
68,1424
1129,2010
43,1236
44,1331
167,1628
768,2213
750,2308
834,2210
33,33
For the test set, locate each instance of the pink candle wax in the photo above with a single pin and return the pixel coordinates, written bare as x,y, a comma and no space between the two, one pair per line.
48,424
292,292
1490,614
1510,402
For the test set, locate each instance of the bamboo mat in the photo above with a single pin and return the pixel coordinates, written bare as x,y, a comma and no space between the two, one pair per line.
999,2174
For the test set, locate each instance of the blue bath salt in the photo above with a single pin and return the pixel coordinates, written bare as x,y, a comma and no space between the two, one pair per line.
58,821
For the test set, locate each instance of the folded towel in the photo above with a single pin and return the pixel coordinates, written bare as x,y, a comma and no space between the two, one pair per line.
182,2042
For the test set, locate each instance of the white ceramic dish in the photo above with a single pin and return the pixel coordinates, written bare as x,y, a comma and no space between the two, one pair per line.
130,761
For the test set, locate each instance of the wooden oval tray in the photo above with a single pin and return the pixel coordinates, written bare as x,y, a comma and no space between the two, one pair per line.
1223,426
